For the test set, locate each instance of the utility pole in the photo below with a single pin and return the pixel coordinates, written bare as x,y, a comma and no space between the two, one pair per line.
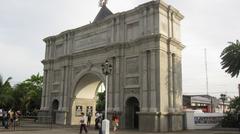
206,74
206,69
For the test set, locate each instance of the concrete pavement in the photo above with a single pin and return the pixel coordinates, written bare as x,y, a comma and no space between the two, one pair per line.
75,130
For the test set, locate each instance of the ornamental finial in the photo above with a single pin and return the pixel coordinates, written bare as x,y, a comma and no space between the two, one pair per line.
102,3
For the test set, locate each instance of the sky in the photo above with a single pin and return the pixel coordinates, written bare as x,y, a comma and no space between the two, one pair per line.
207,24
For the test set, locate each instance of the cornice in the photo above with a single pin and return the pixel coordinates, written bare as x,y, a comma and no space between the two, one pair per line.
176,12
119,45
47,61
176,43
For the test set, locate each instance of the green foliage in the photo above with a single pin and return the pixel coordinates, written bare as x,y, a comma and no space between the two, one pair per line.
25,96
100,102
5,93
28,93
231,118
230,121
230,58
235,105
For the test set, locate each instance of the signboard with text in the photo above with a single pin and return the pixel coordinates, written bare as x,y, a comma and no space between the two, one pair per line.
78,110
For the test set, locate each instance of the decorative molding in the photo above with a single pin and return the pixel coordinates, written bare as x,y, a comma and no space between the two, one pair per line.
174,42
132,91
89,65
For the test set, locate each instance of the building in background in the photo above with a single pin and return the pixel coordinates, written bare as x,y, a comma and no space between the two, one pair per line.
205,103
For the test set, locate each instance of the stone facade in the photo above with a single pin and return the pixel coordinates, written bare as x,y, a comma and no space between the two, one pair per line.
143,45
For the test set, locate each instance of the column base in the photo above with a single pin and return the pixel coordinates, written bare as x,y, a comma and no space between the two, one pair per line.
160,122
175,121
61,117
148,121
44,116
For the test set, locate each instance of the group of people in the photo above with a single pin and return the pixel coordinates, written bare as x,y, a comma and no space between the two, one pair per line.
9,118
85,121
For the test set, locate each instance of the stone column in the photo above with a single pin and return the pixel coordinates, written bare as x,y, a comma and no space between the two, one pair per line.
66,80
47,99
121,78
178,80
43,99
116,86
145,96
110,89
174,80
153,81
47,51
170,90
43,95
170,22
63,88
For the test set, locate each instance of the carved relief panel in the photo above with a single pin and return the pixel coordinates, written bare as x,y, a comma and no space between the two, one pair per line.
132,75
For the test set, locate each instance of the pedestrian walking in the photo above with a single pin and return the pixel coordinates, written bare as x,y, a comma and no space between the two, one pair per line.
100,124
83,123
115,121
96,120
11,115
5,119
89,116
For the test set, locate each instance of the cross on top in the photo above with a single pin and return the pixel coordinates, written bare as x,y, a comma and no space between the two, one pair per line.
102,3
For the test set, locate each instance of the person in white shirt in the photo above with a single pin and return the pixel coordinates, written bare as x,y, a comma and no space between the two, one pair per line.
83,123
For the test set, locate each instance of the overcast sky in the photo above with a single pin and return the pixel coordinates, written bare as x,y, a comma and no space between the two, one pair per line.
207,24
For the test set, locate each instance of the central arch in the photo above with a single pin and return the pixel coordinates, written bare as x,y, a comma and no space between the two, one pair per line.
85,96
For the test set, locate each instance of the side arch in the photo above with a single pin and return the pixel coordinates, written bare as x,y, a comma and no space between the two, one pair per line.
132,106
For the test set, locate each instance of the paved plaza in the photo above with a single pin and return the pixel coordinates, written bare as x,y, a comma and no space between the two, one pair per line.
75,130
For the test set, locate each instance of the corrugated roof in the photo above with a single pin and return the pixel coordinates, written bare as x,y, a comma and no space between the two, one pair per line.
104,12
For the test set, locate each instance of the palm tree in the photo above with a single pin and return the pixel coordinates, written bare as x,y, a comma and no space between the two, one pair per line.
5,93
231,58
4,84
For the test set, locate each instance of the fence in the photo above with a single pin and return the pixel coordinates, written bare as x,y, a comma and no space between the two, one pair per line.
30,123
202,120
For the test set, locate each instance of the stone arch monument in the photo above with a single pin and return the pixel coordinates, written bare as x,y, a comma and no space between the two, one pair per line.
144,47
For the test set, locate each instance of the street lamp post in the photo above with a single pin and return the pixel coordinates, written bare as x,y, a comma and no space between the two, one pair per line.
223,98
106,69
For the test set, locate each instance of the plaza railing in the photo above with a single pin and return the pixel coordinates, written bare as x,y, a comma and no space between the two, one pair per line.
32,122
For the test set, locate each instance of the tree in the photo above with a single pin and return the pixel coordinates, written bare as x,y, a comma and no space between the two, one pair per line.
231,58
100,101
28,93
231,118
5,93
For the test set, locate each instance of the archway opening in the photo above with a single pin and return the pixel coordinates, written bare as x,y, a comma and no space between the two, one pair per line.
86,96
132,107
55,105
